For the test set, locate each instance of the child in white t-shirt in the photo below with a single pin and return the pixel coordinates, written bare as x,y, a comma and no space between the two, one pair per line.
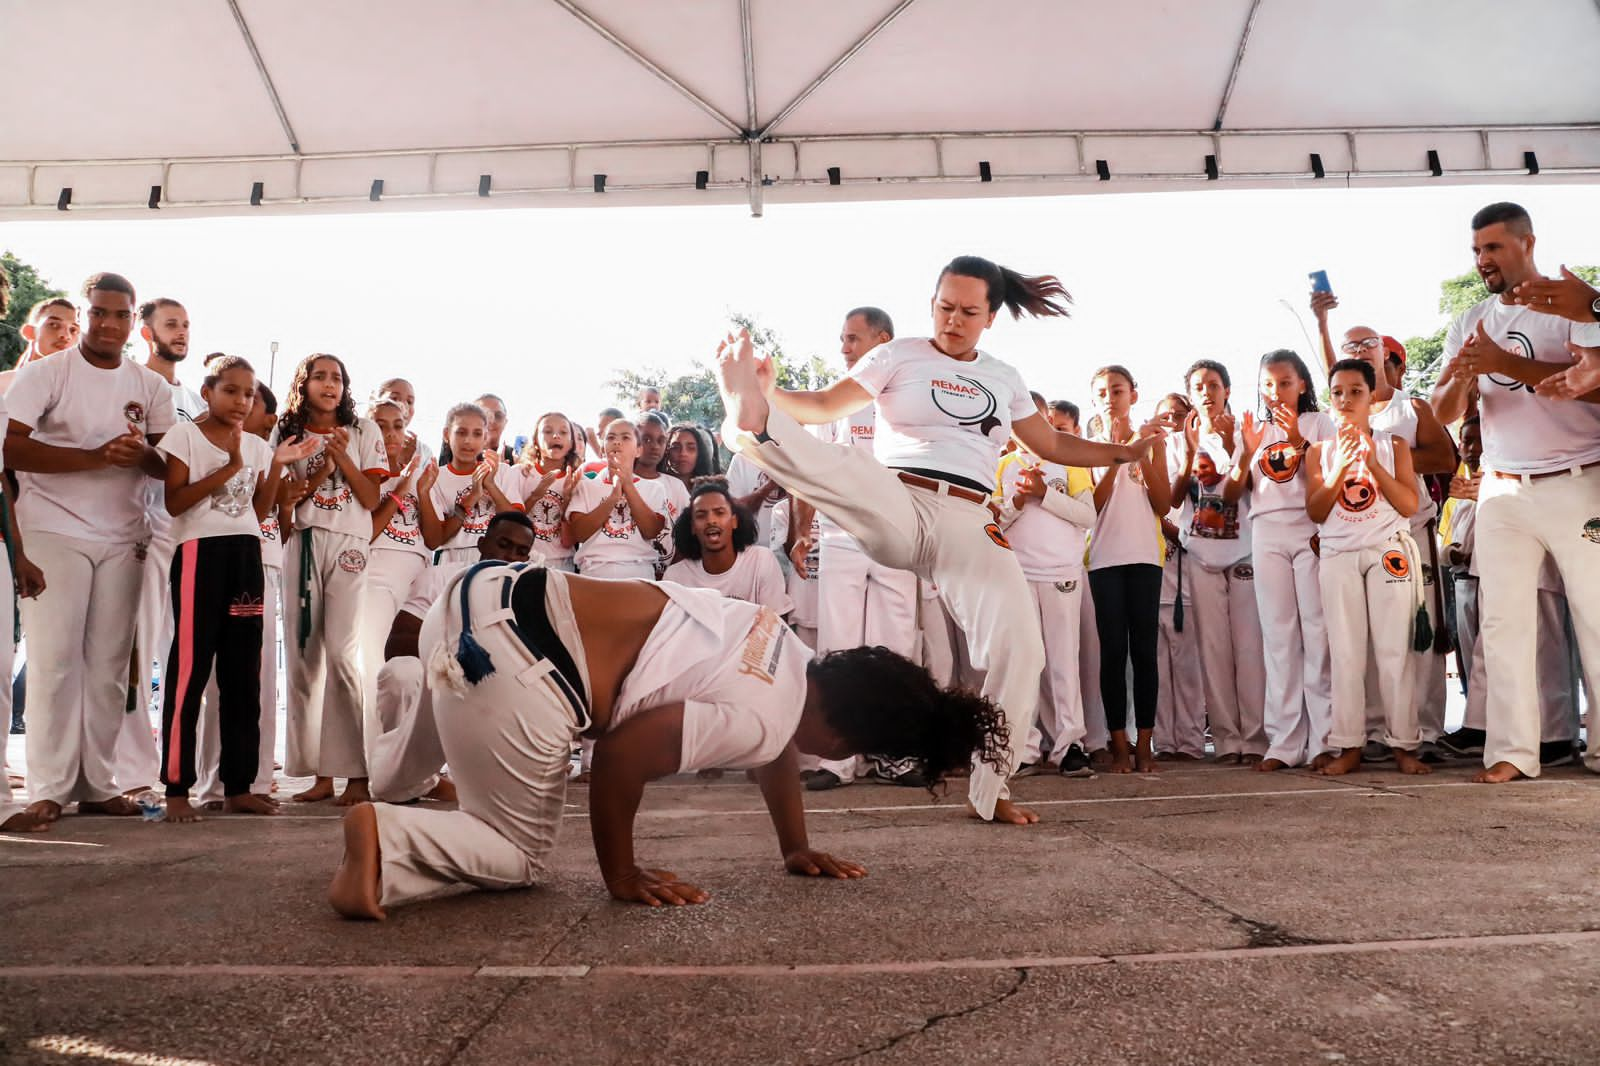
326,562
551,466
471,489
651,465
1360,490
616,516
221,481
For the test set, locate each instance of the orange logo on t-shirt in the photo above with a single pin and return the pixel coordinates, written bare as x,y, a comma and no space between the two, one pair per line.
996,536
1280,461
1395,564
1358,493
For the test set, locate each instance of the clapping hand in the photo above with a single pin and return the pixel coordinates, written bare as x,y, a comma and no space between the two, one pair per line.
1568,296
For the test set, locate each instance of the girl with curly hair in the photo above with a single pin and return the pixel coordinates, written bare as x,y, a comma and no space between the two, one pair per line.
326,562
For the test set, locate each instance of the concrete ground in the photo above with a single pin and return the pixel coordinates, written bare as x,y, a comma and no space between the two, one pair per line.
1204,915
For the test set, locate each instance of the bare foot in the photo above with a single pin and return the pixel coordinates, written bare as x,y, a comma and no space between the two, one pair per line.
1498,774
1008,813
249,803
1322,760
1144,759
321,789
26,822
443,792
1268,766
49,810
1121,754
354,891
1408,762
1347,761
355,791
179,810
116,806
743,397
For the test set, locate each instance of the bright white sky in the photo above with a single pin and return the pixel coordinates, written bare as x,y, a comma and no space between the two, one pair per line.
541,306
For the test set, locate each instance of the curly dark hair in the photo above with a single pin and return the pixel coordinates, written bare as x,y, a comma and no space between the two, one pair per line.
884,703
292,423
683,538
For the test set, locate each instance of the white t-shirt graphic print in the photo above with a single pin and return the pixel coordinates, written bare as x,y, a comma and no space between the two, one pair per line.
618,539
939,413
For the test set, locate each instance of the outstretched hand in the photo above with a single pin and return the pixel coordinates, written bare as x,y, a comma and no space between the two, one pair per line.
292,451
808,862
1568,296
1579,379
654,888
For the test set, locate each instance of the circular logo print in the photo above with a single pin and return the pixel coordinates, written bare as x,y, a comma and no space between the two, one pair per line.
134,412
1591,531
1066,586
1358,494
1244,572
352,561
1279,462
1395,564
996,536
967,400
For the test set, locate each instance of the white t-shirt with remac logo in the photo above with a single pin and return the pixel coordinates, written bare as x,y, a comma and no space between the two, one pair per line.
938,413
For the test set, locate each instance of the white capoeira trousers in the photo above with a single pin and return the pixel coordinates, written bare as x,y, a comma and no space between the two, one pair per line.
79,647
953,543
1228,626
1181,700
208,740
8,655
1060,715
1096,735
1518,523
138,760
508,740
1558,681
325,714
1370,608
861,603
390,574
1298,694
405,756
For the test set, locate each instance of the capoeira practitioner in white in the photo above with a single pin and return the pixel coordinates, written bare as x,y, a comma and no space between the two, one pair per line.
165,330
29,582
1541,458
1216,539
945,410
82,428
1046,512
521,660
1361,489
614,518
405,754
859,600
1283,552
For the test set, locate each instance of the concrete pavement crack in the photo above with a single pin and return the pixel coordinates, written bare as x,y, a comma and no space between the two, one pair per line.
461,1043
935,1019
1257,934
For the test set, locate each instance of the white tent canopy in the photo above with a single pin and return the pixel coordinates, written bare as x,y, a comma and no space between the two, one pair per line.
235,106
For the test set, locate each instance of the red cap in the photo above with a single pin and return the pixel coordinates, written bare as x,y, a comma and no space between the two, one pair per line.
1394,347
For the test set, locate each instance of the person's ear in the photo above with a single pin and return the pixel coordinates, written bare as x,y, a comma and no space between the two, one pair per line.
990,320
29,333
147,333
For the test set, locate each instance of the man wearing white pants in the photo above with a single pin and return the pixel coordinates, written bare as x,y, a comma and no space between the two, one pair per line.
1541,488
165,330
406,755
859,601
30,582
82,428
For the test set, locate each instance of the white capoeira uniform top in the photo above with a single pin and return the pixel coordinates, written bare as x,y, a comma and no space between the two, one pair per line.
1277,491
1361,516
450,491
1399,419
618,542
547,513
1214,532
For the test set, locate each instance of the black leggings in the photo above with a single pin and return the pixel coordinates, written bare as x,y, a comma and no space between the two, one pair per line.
1127,612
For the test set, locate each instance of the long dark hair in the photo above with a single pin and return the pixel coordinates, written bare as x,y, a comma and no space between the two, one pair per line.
292,423
1040,295
705,464
1282,356
683,538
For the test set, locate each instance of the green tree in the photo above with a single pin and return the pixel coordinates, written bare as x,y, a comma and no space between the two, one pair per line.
27,289
693,397
1425,355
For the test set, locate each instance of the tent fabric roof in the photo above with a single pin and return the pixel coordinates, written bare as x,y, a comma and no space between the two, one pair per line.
204,106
